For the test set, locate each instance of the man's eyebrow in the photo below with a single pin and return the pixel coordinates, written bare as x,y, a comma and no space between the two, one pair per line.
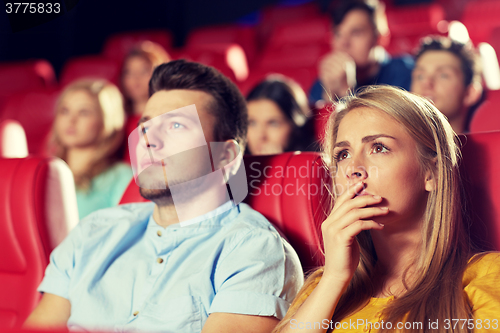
366,139
142,120
166,116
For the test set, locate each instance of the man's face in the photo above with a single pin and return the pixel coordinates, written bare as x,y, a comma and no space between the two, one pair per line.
356,37
173,147
438,76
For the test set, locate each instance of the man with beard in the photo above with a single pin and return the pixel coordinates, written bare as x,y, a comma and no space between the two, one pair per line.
192,260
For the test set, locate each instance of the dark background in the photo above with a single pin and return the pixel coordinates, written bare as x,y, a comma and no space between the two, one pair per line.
85,25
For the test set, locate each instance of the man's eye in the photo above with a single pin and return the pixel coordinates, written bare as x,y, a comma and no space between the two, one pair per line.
177,125
144,130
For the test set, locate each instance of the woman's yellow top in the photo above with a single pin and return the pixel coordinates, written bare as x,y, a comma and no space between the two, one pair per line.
481,283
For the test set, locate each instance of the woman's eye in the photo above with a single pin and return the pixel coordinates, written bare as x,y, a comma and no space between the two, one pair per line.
342,155
84,112
274,123
379,148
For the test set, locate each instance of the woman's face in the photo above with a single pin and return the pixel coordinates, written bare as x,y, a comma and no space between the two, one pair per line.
374,148
78,120
136,74
269,129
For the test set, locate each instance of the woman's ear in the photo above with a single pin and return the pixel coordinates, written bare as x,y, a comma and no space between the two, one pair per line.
430,179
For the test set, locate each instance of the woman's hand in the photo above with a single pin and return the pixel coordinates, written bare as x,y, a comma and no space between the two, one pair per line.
350,215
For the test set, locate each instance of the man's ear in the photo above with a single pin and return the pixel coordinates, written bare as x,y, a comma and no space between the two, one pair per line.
473,93
225,154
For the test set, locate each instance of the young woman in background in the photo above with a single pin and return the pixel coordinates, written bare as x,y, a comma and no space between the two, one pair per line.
278,117
87,134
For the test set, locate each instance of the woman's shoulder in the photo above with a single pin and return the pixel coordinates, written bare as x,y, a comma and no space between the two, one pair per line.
482,266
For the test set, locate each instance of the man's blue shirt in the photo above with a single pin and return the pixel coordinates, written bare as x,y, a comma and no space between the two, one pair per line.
122,271
393,71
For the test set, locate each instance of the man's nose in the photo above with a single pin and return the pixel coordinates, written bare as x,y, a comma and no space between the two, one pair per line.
152,140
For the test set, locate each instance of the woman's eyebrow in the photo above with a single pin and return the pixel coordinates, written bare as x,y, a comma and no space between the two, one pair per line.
370,138
366,139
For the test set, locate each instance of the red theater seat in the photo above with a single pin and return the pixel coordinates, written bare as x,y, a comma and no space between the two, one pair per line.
407,24
118,46
13,142
228,34
290,191
26,75
293,56
480,18
90,67
304,76
229,59
480,171
487,116
34,110
38,208
303,32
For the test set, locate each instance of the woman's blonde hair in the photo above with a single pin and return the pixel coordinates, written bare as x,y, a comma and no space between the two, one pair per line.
110,139
436,290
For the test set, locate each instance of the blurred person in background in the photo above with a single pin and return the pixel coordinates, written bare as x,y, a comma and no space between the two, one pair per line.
449,73
357,58
87,134
278,117
137,69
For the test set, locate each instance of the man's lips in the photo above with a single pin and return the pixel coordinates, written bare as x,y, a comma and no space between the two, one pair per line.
147,163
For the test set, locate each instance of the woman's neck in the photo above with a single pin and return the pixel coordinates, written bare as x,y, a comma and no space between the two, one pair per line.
396,251
80,159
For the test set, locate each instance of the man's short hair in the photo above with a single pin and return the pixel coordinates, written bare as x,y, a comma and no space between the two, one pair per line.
339,12
229,105
469,59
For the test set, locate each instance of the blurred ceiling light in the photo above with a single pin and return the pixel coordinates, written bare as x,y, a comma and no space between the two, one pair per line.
491,70
458,32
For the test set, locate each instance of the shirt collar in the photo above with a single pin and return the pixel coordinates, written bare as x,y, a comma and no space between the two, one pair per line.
213,218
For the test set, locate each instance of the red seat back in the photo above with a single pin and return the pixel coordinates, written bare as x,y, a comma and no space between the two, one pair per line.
407,24
290,191
228,34
119,45
26,234
302,32
35,111
480,18
229,59
487,116
90,67
23,76
13,142
480,171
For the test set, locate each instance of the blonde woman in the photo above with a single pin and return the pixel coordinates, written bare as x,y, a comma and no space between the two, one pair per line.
397,257
87,134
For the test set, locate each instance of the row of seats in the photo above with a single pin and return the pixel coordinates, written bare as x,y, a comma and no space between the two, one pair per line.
288,189
27,119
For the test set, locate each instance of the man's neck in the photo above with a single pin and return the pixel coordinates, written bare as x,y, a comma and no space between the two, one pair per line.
167,213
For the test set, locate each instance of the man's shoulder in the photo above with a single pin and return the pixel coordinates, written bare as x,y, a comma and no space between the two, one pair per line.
131,214
249,220
403,62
